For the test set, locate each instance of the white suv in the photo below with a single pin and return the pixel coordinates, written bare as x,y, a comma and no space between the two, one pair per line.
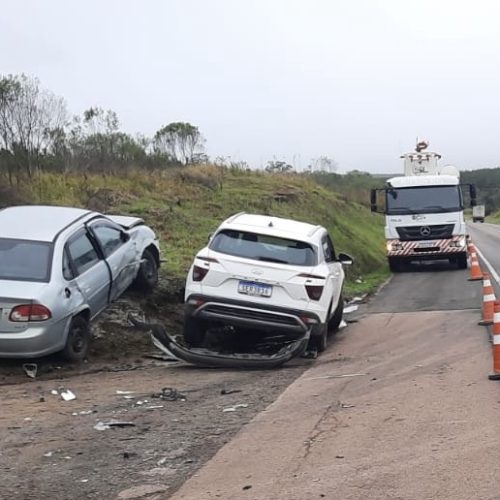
265,273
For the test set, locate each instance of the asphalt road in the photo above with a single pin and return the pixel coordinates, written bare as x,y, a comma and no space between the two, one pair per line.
486,237
399,406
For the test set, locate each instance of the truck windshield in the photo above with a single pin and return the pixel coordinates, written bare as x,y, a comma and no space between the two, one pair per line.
424,200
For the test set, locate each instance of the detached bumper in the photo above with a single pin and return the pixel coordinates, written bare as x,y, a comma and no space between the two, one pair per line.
206,357
422,249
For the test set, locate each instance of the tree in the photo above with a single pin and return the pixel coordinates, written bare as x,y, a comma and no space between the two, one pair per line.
323,164
180,141
29,116
277,166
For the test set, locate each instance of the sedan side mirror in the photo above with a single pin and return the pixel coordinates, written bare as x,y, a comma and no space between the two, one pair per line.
345,260
124,236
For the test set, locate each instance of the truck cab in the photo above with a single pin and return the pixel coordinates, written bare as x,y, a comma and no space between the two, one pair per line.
424,213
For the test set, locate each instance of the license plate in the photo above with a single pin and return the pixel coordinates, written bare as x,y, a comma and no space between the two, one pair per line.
426,244
252,288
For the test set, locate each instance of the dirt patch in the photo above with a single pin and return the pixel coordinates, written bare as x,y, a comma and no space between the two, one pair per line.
51,448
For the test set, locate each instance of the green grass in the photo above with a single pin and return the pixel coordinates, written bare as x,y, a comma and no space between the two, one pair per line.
184,206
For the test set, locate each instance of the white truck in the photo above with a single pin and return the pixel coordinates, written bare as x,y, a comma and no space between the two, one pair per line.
424,212
478,213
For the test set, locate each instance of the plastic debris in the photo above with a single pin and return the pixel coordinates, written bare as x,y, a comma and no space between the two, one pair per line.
343,405
54,392
350,308
169,394
235,407
68,395
347,375
124,392
225,392
342,324
103,426
30,369
48,454
84,412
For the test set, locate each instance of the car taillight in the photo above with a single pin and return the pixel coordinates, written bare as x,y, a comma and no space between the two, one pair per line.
30,312
199,273
314,292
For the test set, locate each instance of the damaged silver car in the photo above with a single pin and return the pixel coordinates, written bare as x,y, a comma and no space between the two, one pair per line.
59,268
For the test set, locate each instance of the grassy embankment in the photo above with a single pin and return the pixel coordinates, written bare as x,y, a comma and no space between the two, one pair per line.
184,206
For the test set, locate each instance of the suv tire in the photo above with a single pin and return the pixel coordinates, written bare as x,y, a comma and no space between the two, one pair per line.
334,322
319,342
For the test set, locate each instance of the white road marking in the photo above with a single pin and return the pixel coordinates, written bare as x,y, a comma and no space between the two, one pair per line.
491,269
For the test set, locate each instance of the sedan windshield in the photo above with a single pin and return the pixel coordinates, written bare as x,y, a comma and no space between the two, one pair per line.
263,247
427,200
23,260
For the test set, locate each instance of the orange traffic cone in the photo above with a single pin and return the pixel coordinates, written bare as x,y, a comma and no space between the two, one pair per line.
488,301
496,342
475,270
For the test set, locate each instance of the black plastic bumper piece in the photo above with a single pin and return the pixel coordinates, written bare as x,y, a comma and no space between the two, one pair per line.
209,358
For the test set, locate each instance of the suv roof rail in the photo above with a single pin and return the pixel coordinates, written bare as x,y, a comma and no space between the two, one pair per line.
235,216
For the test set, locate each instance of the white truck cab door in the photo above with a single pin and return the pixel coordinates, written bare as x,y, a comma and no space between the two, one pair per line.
120,252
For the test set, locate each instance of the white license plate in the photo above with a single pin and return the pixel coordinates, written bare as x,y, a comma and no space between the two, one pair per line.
427,244
252,288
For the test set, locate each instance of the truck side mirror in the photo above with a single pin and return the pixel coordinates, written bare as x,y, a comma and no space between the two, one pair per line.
373,200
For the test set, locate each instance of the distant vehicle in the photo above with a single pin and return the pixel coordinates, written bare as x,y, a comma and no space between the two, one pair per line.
424,212
478,213
59,268
265,273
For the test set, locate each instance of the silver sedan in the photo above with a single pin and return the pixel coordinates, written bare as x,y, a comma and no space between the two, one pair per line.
59,268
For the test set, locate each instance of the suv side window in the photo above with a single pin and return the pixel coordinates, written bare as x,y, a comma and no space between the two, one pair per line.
109,237
82,252
328,249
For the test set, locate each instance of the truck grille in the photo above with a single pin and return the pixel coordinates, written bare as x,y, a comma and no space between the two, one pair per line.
410,233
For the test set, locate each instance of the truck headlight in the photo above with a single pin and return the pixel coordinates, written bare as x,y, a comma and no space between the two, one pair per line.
458,243
394,246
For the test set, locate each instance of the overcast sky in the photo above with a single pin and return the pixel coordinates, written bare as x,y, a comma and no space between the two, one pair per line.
354,80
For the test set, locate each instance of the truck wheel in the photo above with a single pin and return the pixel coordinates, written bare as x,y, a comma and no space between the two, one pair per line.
194,331
147,276
395,264
77,343
462,261
334,323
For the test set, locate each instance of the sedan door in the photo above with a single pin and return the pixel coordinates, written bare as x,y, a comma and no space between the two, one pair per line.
87,271
120,252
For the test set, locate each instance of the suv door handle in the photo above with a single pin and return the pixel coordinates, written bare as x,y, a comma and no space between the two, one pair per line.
67,292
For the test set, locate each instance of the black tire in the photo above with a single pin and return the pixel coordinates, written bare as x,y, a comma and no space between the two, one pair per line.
395,264
320,341
194,331
334,322
147,276
462,261
77,343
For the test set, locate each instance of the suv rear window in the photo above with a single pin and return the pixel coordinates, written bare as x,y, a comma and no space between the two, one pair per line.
263,247
24,260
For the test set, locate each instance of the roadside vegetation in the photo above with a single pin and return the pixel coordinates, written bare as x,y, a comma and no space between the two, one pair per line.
49,157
